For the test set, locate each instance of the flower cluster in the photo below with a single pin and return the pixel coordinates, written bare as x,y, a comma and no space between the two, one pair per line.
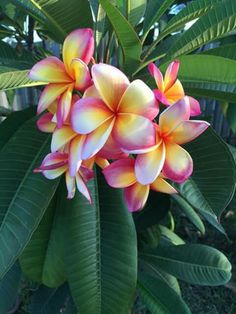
97,116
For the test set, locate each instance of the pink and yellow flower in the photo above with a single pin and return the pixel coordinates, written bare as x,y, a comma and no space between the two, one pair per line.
118,108
170,89
167,155
55,164
121,174
64,77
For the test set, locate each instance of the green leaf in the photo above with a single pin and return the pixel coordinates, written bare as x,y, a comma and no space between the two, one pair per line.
194,263
231,116
192,11
24,196
212,184
126,35
58,17
51,301
190,213
43,258
154,271
9,287
207,76
159,297
13,122
101,251
11,58
172,237
218,21
16,79
136,10
225,51
155,10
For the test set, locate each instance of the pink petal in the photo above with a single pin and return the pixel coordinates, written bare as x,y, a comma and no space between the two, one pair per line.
64,106
120,173
136,196
160,96
91,91
70,184
96,139
75,151
149,165
110,82
195,109
156,73
49,95
53,165
133,132
78,44
178,165
111,150
139,99
45,123
81,74
161,185
171,117
171,74
86,173
81,186
50,70
188,131
61,137
88,114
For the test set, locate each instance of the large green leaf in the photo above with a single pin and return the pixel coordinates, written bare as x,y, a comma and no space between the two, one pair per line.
212,184
208,76
43,257
16,79
51,301
58,17
214,24
101,251
126,35
24,196
11,58
155,10
9,287
13,122
159,297
225,51
194,263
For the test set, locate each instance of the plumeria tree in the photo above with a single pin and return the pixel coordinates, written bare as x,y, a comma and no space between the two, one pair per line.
88,180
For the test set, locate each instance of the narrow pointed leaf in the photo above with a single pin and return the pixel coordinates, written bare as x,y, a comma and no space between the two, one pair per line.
126,35
214,24
194,263
58,18
16,79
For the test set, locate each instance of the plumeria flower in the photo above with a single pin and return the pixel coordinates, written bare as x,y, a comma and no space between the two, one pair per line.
121,109
64,77
55,164
170,88
121,174
167,155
